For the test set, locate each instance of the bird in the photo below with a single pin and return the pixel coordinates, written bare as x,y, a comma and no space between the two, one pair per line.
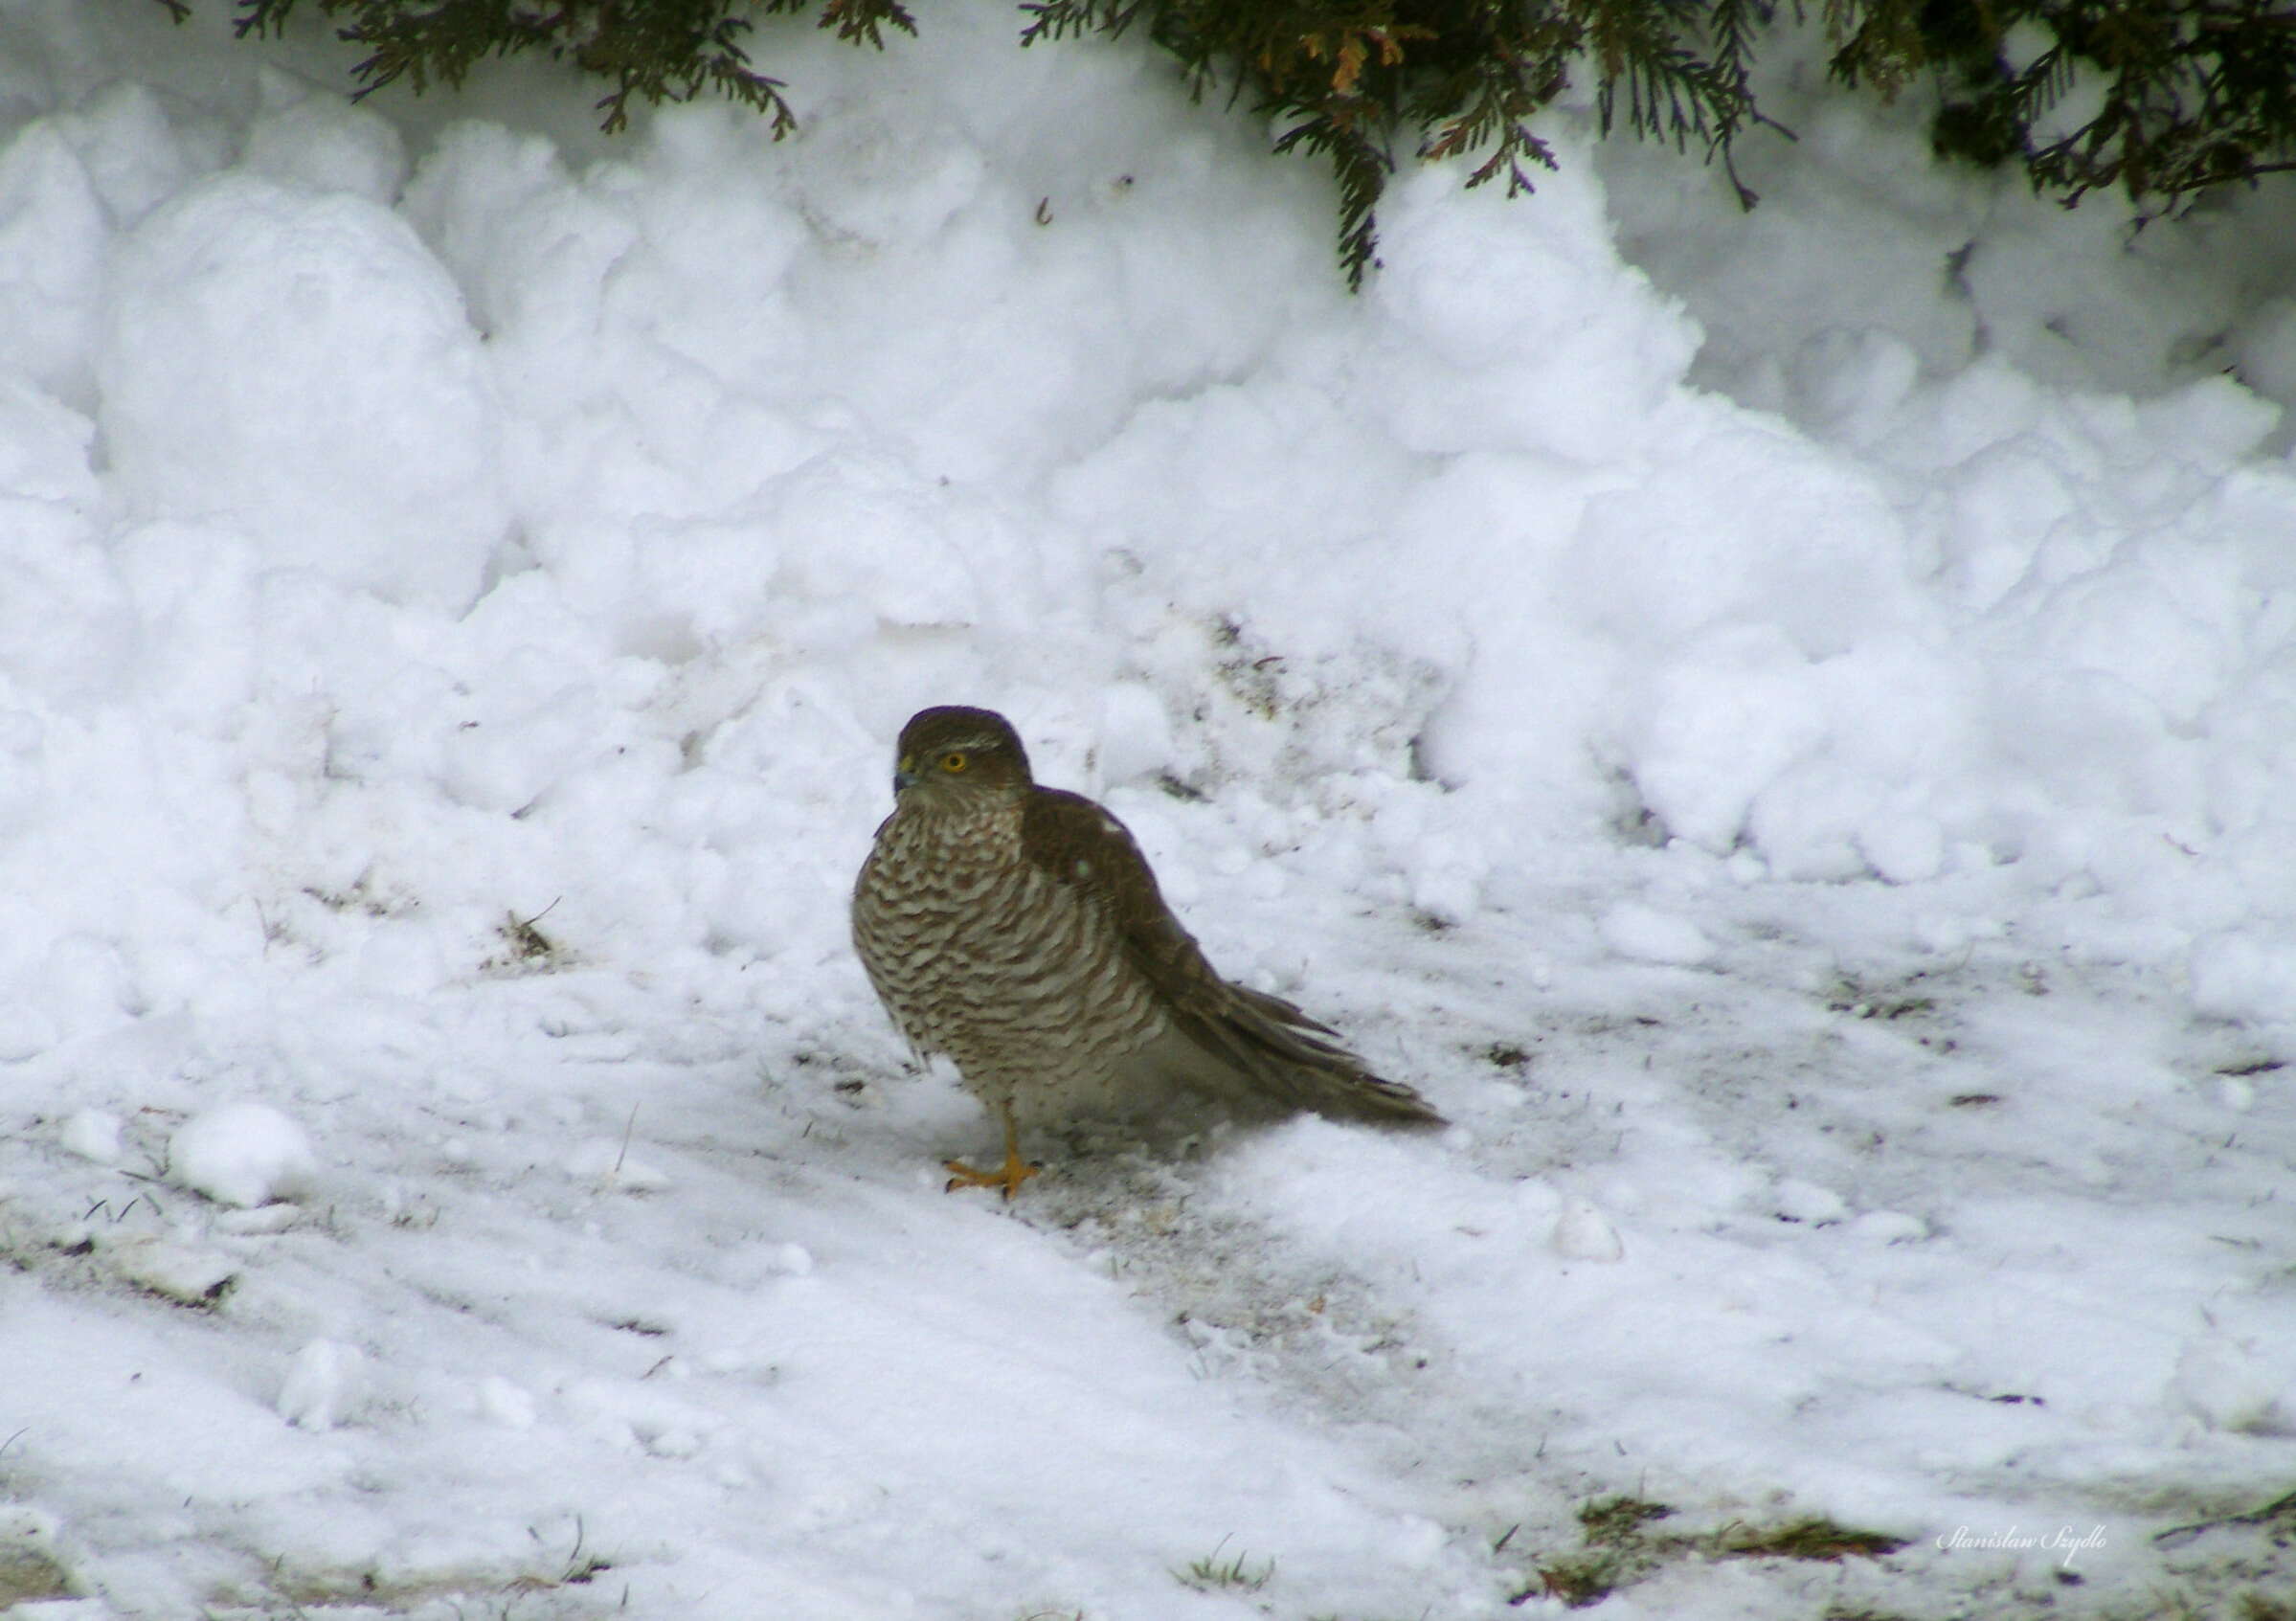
1018,931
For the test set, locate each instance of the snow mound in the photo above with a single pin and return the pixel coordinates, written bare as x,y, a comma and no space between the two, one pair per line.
242,1154
297,363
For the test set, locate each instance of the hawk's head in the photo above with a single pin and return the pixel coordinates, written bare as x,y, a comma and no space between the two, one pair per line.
952,750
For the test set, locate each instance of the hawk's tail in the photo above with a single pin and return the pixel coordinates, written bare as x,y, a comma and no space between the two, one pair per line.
1265,1051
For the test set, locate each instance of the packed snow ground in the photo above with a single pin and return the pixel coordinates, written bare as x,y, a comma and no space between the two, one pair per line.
1784,726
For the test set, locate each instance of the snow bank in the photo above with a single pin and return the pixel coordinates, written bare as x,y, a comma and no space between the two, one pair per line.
299,364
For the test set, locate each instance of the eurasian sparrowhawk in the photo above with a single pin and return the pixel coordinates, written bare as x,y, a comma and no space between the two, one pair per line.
1018,931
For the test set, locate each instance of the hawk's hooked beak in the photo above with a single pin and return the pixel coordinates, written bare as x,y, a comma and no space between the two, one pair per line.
902,776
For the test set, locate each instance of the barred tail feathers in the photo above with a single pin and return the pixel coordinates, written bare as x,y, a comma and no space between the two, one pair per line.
1262,1048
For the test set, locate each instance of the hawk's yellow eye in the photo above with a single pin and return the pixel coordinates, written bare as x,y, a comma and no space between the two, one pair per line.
953,763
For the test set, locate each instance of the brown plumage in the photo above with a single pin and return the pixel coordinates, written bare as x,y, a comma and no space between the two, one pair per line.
1018,931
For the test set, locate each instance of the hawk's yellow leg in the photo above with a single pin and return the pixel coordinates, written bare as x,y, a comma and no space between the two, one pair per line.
1008,1176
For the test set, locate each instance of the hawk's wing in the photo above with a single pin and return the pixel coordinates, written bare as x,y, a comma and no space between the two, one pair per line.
1261,1045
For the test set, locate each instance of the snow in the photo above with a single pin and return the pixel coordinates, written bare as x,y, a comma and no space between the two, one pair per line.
1784,726
324,1384
286,315
1644,934
92,1134
242,1154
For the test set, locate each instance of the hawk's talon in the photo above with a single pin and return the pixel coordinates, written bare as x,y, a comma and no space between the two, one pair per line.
1007,1178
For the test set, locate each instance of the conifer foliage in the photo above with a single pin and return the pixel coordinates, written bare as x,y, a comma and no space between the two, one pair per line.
657,50
1342,77
2161,98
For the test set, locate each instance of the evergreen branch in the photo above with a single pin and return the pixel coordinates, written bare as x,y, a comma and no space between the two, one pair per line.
653,51
858,20
1362,166
1059,19
258,17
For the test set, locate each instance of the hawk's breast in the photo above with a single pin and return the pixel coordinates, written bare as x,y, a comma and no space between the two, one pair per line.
979,953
